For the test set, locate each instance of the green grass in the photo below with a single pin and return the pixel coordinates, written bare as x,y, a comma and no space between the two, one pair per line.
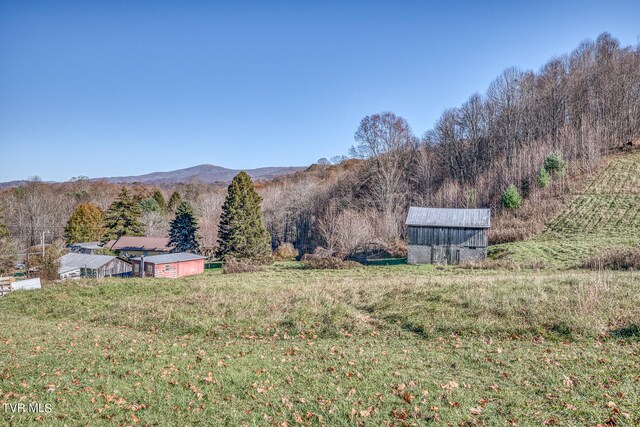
374,345
606,215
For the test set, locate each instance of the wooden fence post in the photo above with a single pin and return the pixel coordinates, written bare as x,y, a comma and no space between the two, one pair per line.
5,285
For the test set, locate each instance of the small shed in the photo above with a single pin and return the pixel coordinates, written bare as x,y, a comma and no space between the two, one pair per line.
74,265
447,236
170,265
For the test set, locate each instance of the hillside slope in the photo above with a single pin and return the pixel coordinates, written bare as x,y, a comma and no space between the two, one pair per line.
605,215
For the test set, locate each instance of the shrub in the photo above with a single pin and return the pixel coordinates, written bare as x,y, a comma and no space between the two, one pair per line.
397,249
511,198
8,256
285,252
232,265
614,259
543,179
322,259
51,263
555,164
511,232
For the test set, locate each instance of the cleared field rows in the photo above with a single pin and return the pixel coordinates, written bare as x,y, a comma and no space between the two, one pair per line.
620,176
605,215
590,213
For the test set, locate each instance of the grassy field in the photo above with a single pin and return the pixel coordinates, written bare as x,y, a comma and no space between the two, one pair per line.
377,345
605,215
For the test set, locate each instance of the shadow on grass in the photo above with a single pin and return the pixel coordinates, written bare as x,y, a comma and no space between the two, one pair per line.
386,261
631,331
561,329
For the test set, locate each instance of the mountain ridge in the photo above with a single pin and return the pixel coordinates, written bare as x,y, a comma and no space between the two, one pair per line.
206,173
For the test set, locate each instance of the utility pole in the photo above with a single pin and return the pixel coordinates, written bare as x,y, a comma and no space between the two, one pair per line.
43,233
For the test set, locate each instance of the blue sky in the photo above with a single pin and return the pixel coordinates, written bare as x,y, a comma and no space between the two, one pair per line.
125,88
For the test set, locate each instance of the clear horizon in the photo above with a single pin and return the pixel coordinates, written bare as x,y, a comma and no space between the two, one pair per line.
129,89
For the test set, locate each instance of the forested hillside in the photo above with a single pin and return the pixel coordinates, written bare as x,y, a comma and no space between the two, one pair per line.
578,107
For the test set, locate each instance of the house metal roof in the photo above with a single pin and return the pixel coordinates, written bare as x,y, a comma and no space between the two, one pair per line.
167,258
141,243
87,245
446,217
74,261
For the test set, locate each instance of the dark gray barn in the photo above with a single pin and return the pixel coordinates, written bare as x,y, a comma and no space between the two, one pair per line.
447,236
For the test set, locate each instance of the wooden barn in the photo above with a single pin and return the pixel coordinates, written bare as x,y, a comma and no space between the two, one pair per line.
169,265
447,236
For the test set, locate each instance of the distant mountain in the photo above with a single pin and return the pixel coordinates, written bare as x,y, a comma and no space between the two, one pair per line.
207,174
19,183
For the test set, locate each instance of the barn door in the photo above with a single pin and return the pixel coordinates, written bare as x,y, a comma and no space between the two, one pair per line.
453,256
438,255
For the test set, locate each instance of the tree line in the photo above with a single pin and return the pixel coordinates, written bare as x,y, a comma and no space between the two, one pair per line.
496,150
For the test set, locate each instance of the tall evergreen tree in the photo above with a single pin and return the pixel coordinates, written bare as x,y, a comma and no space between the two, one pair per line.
158,197
242,234
174,201
184,229
85,225
123,218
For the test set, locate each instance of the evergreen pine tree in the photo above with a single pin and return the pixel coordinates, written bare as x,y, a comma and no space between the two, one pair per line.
149,205
122,218
242,234
511,198
85,225
183,230
174,201
555,164
158,197
543,178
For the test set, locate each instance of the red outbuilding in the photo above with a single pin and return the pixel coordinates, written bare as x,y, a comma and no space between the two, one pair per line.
169,265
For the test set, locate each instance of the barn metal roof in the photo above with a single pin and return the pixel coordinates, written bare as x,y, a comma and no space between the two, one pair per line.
74,261
166,258
446,217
